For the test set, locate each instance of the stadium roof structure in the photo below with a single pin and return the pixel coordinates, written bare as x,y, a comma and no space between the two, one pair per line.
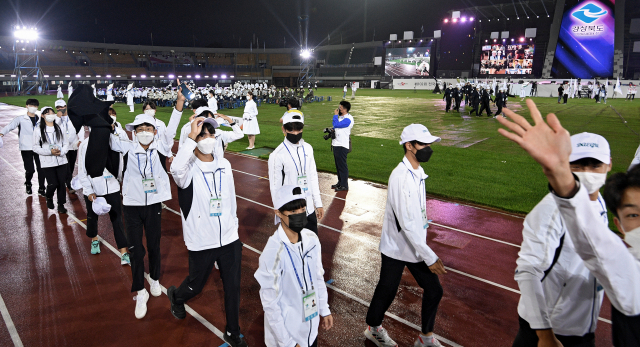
512,9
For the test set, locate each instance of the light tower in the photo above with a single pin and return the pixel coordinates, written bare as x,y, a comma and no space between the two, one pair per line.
27,74
307,64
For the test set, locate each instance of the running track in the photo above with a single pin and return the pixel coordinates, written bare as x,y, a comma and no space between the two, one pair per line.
55,293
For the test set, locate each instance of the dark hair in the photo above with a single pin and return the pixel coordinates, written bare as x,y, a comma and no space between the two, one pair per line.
250,93
295,204
346,105
210,129
150,104
149,124
33,102
113,110
294,126
413,143
616,185
43,127
587,162
198,103
293,102
206,114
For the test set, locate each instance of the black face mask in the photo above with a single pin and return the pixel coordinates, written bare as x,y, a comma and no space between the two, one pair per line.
293,138
297,221
424,154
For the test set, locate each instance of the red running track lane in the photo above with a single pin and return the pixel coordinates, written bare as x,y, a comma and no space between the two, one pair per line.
353,261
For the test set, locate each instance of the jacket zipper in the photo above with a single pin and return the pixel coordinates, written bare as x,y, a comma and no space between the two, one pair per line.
307,289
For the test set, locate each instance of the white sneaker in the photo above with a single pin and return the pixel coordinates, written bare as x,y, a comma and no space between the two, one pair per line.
141,304
430,341
216,264
380,337
155,288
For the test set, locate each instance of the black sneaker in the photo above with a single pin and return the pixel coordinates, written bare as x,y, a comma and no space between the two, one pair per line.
341,188
50,204
41,192
61,209
29,191
334,186
234,340
177,310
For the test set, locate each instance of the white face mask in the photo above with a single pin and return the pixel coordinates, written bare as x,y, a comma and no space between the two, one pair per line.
207,145
50,118
114,118
592,181
248,97
150,112
632,238
145,137
32,109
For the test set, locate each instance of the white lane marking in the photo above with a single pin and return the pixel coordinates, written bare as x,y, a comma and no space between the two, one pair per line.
355,298
483,280
9,323
191,311
434,198
13,167
379,209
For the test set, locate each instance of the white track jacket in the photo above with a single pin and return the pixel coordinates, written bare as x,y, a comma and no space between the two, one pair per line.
43,149
280,292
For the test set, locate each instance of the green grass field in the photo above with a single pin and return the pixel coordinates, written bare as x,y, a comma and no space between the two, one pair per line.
473,163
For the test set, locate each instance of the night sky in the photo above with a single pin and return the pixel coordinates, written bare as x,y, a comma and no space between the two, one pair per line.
223,23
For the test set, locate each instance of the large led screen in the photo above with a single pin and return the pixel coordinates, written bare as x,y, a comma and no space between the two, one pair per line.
585,41
498,59
409,61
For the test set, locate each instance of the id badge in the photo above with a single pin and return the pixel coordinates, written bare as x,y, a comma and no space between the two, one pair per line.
53,147
149,185
215,207
425,221
310,305
302,183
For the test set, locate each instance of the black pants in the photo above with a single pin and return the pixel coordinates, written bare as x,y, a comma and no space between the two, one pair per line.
625,329
340,157
565,97
56,178
163,161
71,158
457,106
201,263
475,107
499,110
390,276
136,218
448,104
312,223
527,337
485,107
28,158
115,214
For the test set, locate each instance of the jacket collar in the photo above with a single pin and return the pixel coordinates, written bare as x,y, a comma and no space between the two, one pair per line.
419,173
284,238
140,150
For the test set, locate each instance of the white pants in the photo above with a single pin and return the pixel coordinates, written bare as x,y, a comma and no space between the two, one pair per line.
130,108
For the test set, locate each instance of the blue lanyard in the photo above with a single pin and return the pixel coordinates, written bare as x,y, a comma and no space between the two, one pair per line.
214,182
48,138
296,271
302,169
143,174
419,190
606,218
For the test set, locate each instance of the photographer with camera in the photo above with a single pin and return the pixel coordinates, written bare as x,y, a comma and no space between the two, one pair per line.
341,143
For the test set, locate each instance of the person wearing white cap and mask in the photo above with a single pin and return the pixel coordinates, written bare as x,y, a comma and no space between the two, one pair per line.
615,263
403,241
27,124
144,188
207,197
250,125
150,108
107,188
223,137
560,299
73,138
51,145
293,163
291,277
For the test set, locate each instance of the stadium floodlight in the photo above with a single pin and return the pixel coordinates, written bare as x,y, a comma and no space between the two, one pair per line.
188,76
108,76
215,76
232,76
98,76
197,77
143,76
26,34
471,19
223,76
463,19
172,76
455,20
305,54
133,76
153,76
206,76
179,76
78,76
161,76
446,20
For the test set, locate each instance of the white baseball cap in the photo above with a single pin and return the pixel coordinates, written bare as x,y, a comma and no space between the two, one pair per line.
100,206
417,132
140,119
75,183
285,195
201,109
588,145
292,117
60,102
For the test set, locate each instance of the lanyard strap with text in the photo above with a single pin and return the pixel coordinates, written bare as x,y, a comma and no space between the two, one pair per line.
214,182
143,174
296,271
302,169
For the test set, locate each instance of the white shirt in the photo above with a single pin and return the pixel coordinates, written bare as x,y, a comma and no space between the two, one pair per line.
287,163
568,298
25,128
198,183
213,104
100,186
406,198
604,253
280,291
43,149
342,134
250,110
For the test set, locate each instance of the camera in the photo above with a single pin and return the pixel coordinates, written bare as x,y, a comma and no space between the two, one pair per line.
284,102
330,133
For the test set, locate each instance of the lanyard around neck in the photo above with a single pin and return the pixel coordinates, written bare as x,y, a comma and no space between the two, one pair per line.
303,169
296,271
143,174
214,182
